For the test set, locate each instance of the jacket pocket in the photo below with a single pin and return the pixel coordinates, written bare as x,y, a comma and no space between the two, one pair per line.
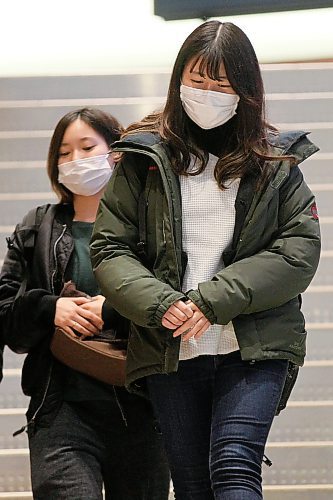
282,328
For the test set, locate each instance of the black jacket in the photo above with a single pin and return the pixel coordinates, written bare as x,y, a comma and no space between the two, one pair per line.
32,276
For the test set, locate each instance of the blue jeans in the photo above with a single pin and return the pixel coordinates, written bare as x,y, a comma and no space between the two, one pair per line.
215,414
88,445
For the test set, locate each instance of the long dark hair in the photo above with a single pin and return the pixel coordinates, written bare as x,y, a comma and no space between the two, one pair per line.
241,143
103,123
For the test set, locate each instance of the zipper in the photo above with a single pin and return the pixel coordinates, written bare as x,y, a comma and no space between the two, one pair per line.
33,418
155,157
122,412
163,232
55,271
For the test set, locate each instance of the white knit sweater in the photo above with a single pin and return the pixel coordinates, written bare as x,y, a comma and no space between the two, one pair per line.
208,215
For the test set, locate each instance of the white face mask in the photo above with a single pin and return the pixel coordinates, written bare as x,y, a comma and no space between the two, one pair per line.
87,176
207,108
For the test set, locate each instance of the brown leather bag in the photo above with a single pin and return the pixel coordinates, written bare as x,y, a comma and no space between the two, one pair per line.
102,357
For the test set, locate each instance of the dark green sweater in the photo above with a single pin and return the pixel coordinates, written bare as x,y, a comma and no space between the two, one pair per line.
80,387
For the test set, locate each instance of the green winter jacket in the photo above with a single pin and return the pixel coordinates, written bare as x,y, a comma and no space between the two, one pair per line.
271,261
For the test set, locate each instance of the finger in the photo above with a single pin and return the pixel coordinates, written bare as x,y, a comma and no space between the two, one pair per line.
93,314
192,305
90,317
168,324
182,309
203,330
186,326
192,332
79,300
97,297
173,319
84,327
189,324
84,332
70,332
176,313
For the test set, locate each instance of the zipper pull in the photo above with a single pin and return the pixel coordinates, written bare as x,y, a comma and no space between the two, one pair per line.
31,424
19,431
267,461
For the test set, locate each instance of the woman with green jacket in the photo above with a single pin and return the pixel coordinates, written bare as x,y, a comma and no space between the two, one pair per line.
205,238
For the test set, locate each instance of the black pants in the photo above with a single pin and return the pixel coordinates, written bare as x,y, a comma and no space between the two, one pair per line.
91,444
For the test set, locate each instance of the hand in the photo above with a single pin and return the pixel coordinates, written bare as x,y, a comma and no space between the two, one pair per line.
176,315
72,317
95,305
194,326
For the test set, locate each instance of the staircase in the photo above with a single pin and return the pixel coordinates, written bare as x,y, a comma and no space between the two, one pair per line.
299,96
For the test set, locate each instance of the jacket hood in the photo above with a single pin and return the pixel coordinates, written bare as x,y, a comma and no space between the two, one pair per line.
295,143
141,139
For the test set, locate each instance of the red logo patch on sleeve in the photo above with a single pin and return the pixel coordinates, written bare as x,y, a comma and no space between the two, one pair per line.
314,211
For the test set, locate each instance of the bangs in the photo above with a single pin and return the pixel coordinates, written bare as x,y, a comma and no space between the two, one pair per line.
210,62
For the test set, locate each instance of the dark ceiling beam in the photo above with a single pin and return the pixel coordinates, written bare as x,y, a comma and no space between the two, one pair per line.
172,10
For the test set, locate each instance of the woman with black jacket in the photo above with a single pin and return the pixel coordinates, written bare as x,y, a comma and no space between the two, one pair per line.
83,434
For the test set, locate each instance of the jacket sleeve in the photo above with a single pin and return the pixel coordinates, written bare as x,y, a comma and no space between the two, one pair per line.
277,273
26,317
125,282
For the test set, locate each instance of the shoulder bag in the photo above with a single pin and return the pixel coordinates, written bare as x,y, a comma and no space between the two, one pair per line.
102,357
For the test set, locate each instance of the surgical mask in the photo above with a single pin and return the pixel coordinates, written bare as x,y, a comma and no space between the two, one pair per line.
86,176
207,108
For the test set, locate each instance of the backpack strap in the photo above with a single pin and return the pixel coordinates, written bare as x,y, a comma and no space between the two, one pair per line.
29,227
31,224
35,217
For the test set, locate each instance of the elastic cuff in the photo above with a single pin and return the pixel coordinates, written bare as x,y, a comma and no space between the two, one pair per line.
196,297
162,308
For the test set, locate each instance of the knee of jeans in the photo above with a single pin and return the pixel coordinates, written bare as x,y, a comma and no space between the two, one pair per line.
235,460
235,473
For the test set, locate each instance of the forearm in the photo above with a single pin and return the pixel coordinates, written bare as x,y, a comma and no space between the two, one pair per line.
136,293
28,320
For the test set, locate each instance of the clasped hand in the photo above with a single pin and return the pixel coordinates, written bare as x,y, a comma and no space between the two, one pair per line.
186,319
80,314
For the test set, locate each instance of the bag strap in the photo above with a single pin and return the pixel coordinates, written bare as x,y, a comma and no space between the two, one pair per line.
33,219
